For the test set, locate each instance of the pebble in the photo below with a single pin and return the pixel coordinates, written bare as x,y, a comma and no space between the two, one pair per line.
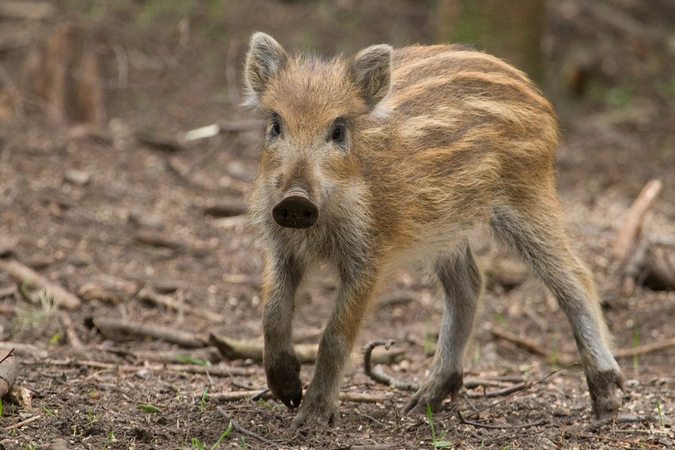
77,177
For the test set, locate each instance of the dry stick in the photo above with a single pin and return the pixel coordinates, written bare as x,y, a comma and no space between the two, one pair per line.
253,395
535,349
497,393
619,441
642,349
22,423
8,371
21,349
70,332
25,274
187,368
11,353
626,236
527,386
529,345
306,353
239,349
243,430
112,328
378,374
169,302
498,427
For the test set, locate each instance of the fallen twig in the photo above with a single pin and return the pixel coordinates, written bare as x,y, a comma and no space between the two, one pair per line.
119,329
626,236
243,430
306,353
24,274
253,395
646,348
498,427
530,346
8,371
70,332
9,354
239,349
224,126
637,444
498,393
159,141
221,371
200,355
22,423
377,373
169,302
157,239
527,386
363,397
21,349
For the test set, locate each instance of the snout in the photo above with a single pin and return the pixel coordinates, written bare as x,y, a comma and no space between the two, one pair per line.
296,210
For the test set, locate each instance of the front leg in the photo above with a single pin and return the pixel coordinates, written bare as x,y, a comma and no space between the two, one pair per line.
320,405
281,280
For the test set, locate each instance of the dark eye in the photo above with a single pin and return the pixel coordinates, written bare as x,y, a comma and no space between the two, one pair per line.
338,133
275,128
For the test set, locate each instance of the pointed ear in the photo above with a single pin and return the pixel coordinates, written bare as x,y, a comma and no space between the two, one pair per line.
371,70
264,60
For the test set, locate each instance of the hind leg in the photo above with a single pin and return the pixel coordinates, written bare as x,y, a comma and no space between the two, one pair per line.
462,284
537,235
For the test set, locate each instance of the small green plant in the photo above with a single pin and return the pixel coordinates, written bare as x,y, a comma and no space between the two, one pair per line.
636,344
202,401
554,352
266,404
55,339
1,407
501,321
148,408
437,443
30,447
196,443
110,438
47,411
27,314
92,417
658,408
243,443
196,361
620,96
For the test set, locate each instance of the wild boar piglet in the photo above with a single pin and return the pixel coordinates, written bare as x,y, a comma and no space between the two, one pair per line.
396,156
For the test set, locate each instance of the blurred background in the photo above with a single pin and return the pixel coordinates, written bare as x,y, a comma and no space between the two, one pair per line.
103,193
171,65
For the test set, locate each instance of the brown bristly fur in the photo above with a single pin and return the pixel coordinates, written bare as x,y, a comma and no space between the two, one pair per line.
397,156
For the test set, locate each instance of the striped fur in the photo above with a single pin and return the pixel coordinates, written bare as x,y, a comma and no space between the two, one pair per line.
437,141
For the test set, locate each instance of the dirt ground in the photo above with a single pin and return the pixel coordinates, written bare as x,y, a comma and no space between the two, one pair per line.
108,216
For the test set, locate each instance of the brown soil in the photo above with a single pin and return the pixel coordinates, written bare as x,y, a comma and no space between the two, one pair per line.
616,136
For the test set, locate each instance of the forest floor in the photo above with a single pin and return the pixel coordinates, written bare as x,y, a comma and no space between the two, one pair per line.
152,235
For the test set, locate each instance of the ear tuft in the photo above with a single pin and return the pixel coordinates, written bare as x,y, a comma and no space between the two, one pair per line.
371,69
264,60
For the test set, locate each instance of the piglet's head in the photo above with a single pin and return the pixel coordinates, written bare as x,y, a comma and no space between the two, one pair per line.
315,110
